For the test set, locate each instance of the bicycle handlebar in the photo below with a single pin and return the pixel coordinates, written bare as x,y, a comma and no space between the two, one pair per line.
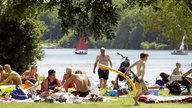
121,55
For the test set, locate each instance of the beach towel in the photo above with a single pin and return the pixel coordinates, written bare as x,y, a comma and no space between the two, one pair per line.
162,99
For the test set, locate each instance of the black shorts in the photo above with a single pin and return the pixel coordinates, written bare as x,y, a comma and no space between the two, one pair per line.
81,94
103,74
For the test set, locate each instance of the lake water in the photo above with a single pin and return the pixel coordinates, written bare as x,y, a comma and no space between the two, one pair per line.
159,61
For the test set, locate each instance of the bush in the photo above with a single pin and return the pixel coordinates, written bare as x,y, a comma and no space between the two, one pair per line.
19,43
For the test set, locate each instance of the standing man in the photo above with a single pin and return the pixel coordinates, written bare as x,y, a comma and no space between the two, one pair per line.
102,73
139,82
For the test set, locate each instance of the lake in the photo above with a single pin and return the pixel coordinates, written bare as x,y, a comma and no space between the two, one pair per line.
158,61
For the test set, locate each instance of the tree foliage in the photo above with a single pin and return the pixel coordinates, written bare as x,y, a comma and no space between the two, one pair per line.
20,29
155,4
173,22
152,45
95,17
19,43
53,31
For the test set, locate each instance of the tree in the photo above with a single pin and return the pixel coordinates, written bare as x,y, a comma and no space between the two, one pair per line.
96,17
20,34
187,4
53,31
19,43
172,22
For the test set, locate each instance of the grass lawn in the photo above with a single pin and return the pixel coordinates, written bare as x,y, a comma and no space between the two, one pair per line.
120,103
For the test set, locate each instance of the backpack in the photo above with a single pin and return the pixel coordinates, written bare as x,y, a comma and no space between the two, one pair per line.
19,93
174,88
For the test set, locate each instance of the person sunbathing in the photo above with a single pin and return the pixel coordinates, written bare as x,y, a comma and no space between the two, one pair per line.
81,81
66,76
30,78
3,74
165,77
51,84
13,77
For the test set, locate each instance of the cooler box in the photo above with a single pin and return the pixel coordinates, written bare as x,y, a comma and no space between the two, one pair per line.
153,92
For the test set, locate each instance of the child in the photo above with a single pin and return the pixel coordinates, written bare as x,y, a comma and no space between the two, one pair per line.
140,84
177,70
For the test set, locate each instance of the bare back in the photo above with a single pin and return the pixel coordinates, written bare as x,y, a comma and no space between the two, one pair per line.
16,78
13,76
81,81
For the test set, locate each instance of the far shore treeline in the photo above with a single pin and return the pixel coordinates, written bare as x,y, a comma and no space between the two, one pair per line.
118,24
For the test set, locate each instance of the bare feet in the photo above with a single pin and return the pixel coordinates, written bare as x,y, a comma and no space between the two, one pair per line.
136,102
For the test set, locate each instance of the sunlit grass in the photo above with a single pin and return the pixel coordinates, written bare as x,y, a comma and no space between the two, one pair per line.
119,103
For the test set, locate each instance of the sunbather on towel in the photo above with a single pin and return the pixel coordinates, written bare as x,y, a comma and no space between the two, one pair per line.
66,76
30,78
82,83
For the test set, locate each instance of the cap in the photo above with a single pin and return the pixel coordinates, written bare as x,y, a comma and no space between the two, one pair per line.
102,48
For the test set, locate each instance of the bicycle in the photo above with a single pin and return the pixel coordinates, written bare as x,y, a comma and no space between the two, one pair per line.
125,63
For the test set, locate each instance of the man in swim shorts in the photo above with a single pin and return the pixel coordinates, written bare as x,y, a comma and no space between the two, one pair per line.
140,84
102,73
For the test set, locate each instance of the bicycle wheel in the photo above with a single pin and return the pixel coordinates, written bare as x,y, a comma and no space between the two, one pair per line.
120,81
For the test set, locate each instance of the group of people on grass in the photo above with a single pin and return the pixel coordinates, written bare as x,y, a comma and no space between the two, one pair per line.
182,78
78,79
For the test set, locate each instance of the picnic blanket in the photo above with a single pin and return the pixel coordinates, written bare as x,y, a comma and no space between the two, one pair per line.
152,98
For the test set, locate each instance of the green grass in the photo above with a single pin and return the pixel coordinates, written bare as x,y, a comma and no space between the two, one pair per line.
120,103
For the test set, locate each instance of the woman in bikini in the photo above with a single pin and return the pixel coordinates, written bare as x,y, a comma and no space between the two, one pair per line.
30,78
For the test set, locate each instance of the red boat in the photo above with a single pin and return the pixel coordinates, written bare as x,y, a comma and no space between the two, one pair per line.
81,47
